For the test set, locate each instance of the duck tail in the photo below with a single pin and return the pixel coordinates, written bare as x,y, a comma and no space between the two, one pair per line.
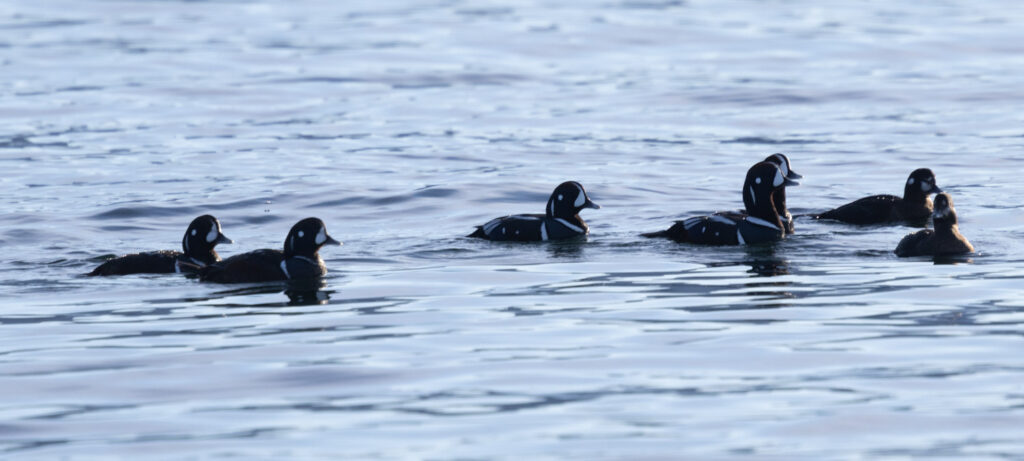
478,233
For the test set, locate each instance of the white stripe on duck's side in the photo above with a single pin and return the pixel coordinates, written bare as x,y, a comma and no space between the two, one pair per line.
760,222
284,268
570,225
490,225
690,222
722,219
544,231
739,236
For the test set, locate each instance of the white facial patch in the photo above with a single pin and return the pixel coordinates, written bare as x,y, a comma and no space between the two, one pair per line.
321,236
925,187
782,165
560,197
212,235
581,198
779,178
302,234
910,182
194,232
757,180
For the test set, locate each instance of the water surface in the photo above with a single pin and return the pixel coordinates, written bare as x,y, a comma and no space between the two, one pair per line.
403,125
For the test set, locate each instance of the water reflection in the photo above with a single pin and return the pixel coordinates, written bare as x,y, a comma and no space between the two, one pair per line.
307,292
764,263
569,249
299,292
953,259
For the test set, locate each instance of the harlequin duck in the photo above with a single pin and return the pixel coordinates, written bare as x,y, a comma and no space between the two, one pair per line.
761,223
298,261
944,240
779,197
913,208
561,221
202,235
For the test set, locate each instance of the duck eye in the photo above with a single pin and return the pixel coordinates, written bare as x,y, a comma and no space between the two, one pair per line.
302,234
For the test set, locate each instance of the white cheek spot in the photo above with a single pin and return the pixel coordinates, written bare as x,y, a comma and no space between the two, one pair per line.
925,187
212,235
910,181
779,178
321,236
560,197
302,234
581,197
757,180
194,232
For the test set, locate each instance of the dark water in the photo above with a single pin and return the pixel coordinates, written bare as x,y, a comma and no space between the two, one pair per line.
404,124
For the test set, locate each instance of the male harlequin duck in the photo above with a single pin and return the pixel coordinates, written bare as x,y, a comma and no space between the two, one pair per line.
761,223
779,197
298,261
561,221
200,238
944,240
913,208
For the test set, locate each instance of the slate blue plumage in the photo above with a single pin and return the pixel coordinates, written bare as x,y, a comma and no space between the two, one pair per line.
201,236
300,259
761,223
561,220
913,208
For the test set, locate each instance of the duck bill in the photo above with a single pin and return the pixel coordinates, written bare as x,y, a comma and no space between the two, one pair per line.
794,175
330,240
221,238
935,189
589,204
789,182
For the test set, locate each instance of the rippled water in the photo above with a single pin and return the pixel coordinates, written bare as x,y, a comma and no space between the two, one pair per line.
403,125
